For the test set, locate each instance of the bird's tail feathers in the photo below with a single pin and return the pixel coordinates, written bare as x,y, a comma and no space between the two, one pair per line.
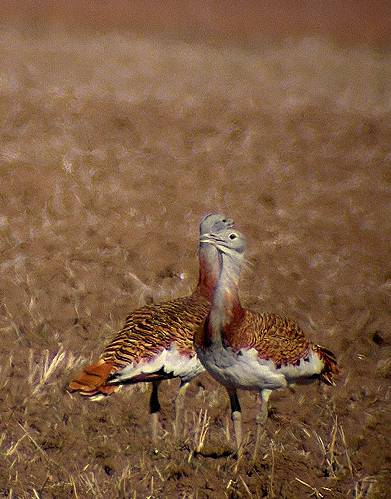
330,368
92,381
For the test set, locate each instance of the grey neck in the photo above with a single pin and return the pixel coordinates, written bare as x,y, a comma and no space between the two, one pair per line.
226,304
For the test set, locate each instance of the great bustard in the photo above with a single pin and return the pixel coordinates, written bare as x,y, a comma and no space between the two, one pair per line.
247,350
156,341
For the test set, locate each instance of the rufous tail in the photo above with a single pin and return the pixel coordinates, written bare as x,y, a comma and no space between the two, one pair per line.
92,380
330,368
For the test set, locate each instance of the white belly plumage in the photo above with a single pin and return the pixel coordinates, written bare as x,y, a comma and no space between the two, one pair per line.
246,371
171,361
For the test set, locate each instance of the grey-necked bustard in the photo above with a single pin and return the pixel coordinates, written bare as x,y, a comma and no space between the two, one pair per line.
247,350
156,341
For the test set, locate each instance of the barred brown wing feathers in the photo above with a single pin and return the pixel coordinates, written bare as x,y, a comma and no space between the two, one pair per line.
153,328
275,338
145,334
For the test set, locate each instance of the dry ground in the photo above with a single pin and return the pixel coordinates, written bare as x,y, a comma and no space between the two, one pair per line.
112,148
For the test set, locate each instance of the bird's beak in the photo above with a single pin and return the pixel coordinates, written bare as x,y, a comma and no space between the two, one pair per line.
207,238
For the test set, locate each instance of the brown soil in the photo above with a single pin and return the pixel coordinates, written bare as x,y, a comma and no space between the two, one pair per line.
112,148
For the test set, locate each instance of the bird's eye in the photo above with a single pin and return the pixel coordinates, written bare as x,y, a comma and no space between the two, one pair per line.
224,220
233,236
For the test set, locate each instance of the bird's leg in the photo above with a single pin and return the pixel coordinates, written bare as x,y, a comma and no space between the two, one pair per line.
154,409
179,404
236,415
261,419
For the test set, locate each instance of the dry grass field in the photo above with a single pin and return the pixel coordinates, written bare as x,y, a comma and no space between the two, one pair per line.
112,147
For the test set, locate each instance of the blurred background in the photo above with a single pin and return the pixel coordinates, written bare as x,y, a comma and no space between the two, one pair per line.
350,21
